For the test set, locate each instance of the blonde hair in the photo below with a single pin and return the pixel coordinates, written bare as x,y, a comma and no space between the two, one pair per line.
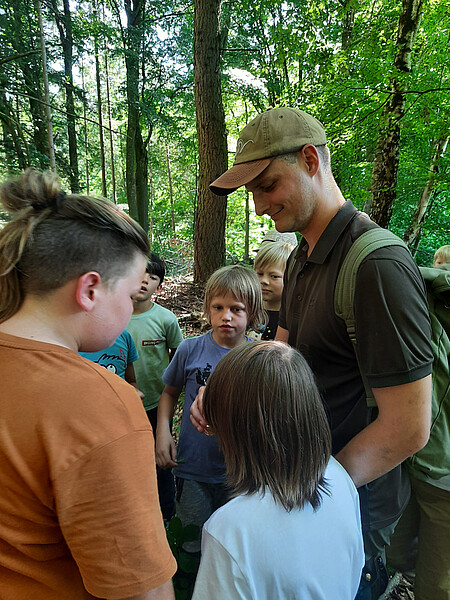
54,237
442,253
273,254
262,403
244,284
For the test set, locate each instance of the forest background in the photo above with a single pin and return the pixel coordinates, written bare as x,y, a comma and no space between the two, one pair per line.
142,101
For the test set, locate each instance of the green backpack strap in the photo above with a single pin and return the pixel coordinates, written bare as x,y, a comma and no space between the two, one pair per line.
344,292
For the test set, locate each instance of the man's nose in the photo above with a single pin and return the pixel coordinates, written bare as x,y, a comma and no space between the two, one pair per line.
260,205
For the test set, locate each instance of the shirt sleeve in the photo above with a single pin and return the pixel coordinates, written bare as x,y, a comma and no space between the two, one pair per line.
108,509
174,335
219,575
132,352
393,329
174,374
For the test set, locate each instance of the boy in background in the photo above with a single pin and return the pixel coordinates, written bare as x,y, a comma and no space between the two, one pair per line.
157,335
442,258
270,263
118,358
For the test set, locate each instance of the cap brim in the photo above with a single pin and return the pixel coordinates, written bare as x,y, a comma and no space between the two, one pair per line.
238,175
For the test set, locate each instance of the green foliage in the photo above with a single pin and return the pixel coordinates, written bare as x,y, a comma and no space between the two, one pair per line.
187,562
274,52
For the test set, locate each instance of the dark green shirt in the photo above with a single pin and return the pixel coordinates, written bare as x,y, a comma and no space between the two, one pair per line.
392,330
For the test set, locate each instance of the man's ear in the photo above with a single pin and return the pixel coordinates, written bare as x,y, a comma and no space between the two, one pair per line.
87,289
311,158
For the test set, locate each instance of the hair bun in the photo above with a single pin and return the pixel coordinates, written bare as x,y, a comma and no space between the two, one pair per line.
32,189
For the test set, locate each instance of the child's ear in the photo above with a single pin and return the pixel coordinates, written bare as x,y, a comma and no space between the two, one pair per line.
158,289
86,290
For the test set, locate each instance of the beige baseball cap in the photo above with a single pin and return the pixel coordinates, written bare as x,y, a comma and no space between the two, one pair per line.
274,132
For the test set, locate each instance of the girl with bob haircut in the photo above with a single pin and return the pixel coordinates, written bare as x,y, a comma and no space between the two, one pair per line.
292,529
79,511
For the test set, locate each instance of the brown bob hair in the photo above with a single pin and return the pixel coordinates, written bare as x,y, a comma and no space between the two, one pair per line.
263,405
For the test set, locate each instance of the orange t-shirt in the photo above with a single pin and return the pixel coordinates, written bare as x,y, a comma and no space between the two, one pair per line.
79,510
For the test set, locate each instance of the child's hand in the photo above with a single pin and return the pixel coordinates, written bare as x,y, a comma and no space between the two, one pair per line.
166,451
196,413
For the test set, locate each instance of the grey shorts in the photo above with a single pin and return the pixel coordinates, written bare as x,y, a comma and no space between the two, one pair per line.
196,502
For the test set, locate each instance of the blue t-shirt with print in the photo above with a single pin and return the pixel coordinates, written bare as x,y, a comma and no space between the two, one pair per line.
192,364
116,357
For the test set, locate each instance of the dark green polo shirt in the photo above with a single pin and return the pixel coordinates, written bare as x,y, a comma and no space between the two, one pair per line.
392,327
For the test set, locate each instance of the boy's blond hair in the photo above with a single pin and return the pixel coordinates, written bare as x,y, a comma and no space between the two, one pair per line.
442,254
273,254
244,284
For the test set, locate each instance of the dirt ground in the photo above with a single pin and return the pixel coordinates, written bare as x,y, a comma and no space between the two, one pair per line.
185,299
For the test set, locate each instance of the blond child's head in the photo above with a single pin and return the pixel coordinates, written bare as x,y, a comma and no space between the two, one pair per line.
270,263
243,284
441,257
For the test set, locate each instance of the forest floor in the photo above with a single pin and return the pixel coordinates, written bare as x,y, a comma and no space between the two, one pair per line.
185,299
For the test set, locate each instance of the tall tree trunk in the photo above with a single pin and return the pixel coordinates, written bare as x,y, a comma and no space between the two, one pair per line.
30,66
209,243
414,231
85,131
111,141
247,228
51,146
136,146
67,43
13,138
348,24
169,175
150,186
141,177
385,168
64,24
100,115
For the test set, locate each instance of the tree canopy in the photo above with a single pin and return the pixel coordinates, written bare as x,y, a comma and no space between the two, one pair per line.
123,117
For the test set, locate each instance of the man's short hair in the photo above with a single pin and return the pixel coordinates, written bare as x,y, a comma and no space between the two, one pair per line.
323,152
155,266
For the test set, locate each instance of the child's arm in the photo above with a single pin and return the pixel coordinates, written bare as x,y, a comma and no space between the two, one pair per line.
166,452
130,377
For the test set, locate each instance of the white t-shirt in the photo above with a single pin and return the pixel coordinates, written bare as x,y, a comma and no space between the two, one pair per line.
252,548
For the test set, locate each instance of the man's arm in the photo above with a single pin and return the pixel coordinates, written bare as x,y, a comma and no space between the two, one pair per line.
163,592
401,428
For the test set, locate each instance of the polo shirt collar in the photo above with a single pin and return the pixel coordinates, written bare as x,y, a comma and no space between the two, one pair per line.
332,233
